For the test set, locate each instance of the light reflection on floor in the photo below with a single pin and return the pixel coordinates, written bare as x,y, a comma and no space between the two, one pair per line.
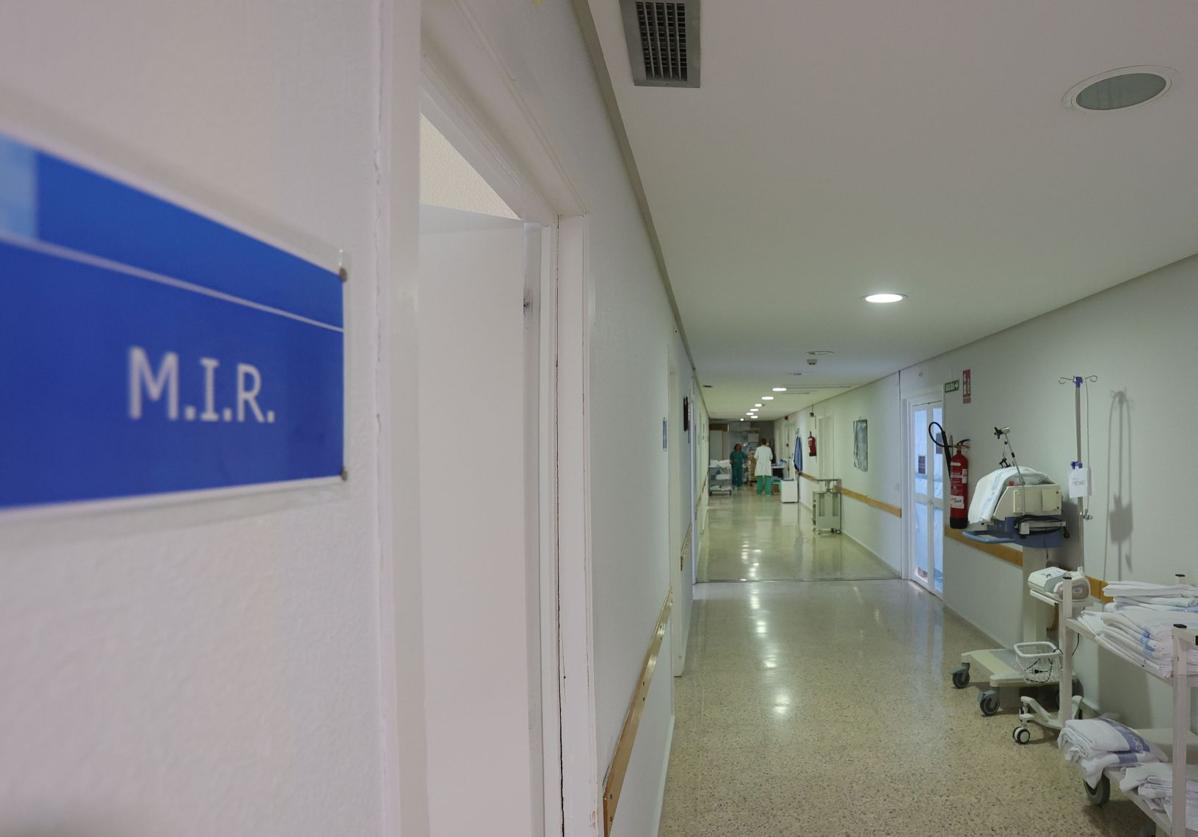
751,538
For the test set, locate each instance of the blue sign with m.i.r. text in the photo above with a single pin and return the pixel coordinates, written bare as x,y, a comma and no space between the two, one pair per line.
146,348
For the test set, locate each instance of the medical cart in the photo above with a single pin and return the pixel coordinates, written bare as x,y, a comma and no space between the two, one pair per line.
719,477
1177,742
825,506
1031,664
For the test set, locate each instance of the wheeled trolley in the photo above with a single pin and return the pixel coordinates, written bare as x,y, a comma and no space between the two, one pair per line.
720,477
825,506
1007,670
1177,742
1068,698
1033,666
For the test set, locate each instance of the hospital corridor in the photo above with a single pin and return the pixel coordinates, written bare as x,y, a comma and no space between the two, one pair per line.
817,705
598,418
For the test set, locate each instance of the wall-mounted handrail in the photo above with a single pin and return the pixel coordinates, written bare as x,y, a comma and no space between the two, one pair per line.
614,783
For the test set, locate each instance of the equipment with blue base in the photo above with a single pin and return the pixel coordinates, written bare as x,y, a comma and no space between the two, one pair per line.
1019,505
1014,504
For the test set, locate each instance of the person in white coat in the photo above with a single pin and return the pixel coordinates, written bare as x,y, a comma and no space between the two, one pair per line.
765,468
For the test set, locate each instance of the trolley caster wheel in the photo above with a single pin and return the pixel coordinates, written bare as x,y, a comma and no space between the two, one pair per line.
961,677
988,702
1100,794
1022,735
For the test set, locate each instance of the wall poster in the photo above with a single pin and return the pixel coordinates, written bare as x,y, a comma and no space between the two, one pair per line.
861,444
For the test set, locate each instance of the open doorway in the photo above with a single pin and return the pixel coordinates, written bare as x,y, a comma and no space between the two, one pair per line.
924,515
478,526
485,458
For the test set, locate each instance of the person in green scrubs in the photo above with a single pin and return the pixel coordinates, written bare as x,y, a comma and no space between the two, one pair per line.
738,458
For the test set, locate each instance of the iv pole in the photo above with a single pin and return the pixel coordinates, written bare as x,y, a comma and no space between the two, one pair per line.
1083,502
1077,464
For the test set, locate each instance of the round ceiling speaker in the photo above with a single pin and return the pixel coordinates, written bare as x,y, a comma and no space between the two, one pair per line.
1119,89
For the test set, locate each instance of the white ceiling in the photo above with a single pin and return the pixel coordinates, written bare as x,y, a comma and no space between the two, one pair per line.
838,148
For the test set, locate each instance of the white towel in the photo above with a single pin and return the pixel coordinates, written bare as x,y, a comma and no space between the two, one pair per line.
1097,743
1149,590
1093,766
1159,775
1159,602
1143,635
1167,604
1154,783
1092,620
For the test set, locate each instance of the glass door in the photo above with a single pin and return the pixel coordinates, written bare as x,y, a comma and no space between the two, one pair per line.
925,528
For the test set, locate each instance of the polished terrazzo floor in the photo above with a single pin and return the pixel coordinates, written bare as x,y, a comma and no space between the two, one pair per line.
751,538
824,708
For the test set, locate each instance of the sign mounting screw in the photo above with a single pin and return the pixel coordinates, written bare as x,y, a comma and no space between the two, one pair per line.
343,274
344,473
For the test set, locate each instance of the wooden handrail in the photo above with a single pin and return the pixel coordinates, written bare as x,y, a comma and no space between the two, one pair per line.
614,782
897,511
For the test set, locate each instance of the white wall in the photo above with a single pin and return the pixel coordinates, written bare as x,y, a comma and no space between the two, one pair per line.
681,466
213,667
706,453
878,403
1139,339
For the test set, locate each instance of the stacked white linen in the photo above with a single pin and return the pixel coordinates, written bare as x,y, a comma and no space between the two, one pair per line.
1145,636
1154,784
1092,620
1165,597
1095,744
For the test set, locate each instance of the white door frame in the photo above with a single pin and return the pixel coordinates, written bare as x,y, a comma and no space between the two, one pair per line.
910,403
505,143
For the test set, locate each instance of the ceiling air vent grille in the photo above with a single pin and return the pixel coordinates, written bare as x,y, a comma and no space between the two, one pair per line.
663,41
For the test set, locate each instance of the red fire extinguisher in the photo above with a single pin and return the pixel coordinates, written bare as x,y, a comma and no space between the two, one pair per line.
810,445
958,475
958,488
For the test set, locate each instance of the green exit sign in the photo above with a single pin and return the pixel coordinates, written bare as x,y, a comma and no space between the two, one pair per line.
952,386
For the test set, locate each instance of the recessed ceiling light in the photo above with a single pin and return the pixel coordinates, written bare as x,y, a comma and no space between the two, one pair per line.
1125,87
820,353
779,389
767,398
885,298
